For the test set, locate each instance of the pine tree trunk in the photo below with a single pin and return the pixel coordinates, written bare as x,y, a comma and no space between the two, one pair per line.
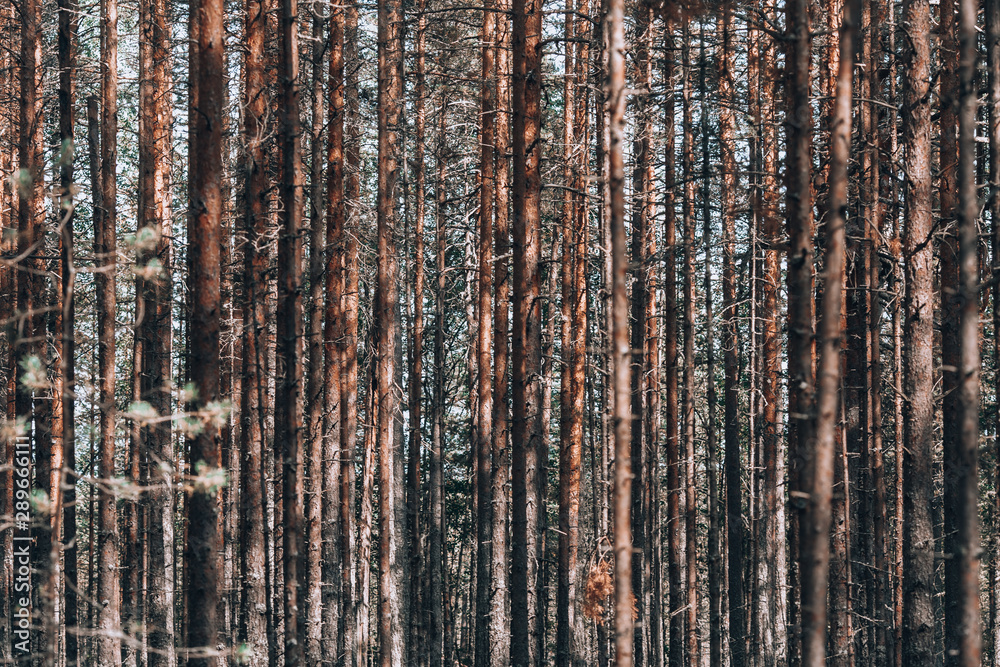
392,513
963,637
918,537
255,628
316,467
155,211
68,36
801,350
526,433
109,616
288,416
624,637
484,332
731,433
204,541
500,593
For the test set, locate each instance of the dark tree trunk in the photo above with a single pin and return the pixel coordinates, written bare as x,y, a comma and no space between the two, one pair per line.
204,539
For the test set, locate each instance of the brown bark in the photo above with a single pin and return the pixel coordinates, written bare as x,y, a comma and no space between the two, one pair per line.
316,467
109,619
918,542
484,333
574,333
288,416
392,513
254,627
963,637
204,540
526,434
349,346
733,482
500,594
624,637
155,215
671,414
337,595
413,473
820,451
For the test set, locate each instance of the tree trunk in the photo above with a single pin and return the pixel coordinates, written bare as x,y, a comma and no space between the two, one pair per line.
624,637
392,513
109,616
484,332
255,612
820,450
316,467
288,416
500,594
918,537
349,349
526,434
734,484
801,350
204,540
68,35
963,638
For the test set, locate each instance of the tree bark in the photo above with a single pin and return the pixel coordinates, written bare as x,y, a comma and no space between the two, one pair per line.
624,637
731,434
109,616
918,538
392,513
204,540
820,451
526,434
500,593
801,350
484,333
963,638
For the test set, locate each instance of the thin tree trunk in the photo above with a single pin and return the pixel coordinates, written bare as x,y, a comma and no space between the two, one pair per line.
437,607
155,212
526,434
255,628
820,450
392,513
500,594
642,303
417,647
992,11
624,637
109,616
671,413
68,35
315,403
288,416
337,594
801,350
734,484
918,538
349,349
484,332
